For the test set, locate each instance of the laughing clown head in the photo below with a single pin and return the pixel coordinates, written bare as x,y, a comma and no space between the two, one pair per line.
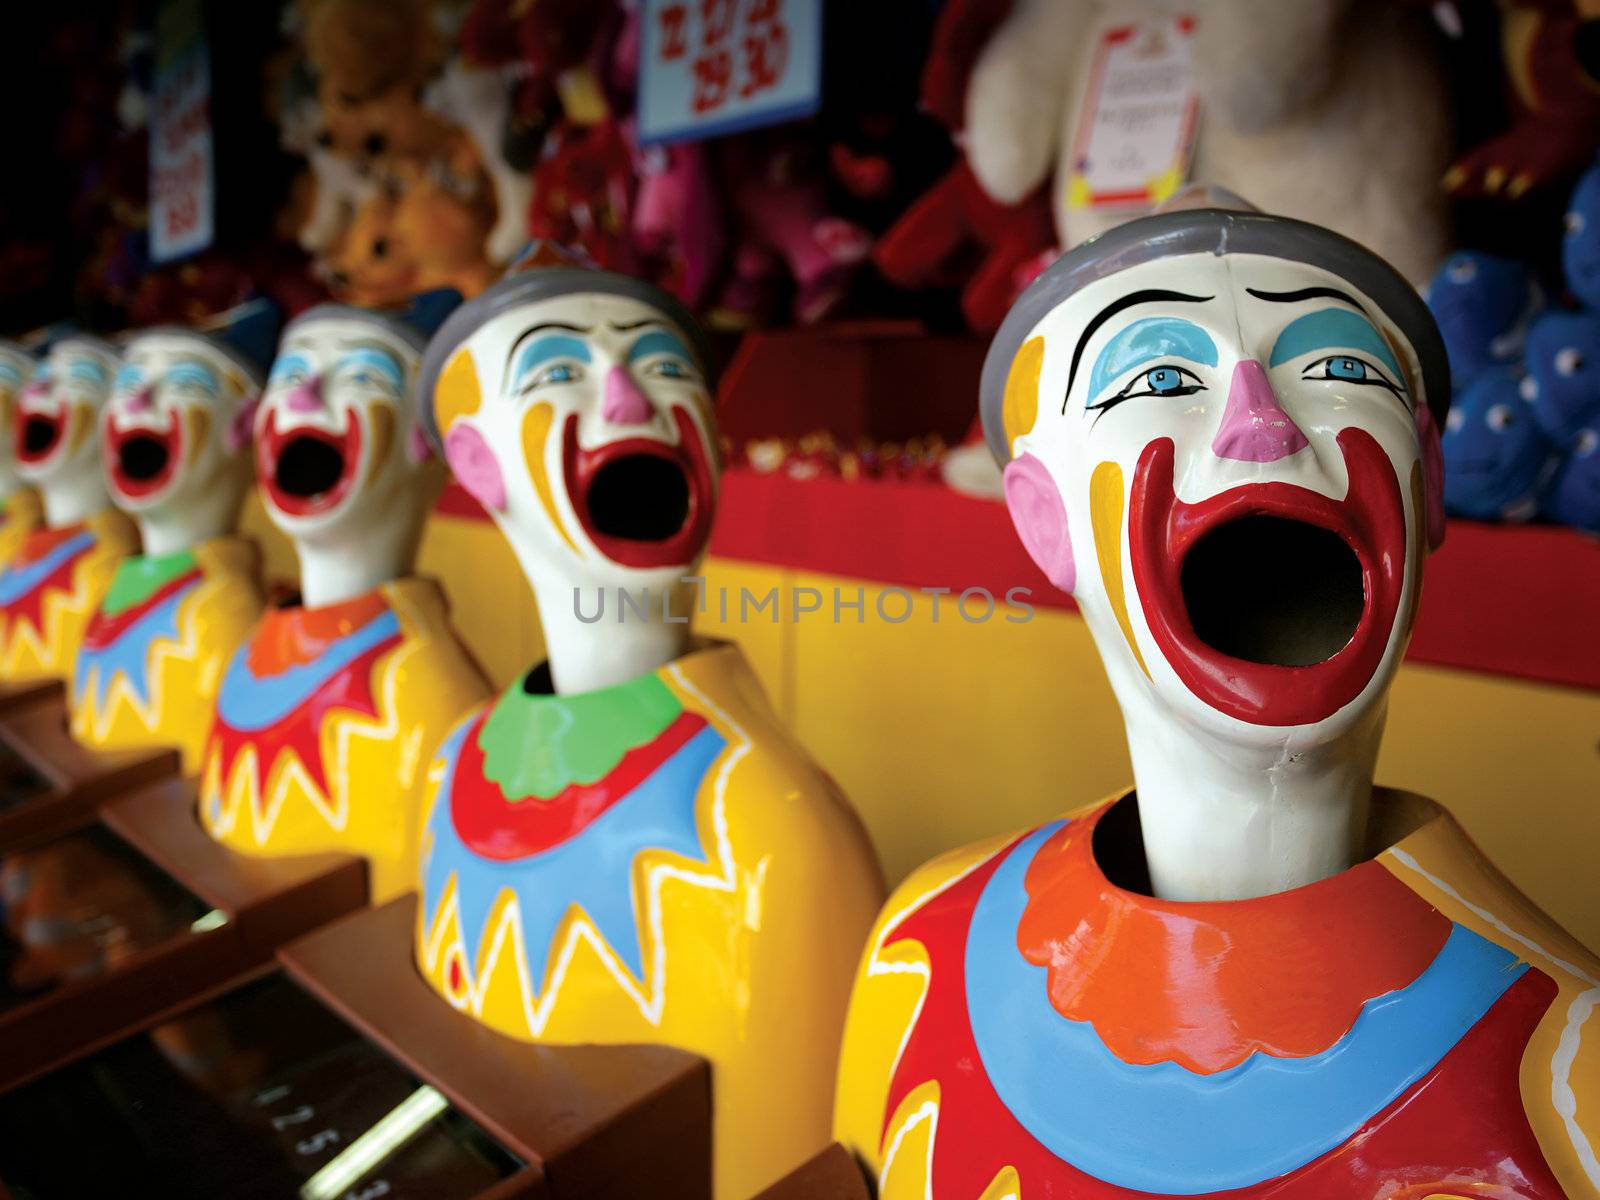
337,449
177,428
16,368
1219,433
575,405
58,412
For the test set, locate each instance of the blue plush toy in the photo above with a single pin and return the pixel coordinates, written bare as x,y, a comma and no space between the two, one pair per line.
1573,497
1562,356
1483,305
1580,247
1496,459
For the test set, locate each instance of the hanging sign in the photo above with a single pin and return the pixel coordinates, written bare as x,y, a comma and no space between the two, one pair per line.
709,67
182,188
1136,129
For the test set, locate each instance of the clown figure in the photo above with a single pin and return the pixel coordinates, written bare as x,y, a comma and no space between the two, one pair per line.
20,510
324,714
54,583
626,845
1256,974
176,441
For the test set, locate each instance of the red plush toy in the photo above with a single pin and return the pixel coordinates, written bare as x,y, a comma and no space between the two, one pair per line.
1555,102
937,236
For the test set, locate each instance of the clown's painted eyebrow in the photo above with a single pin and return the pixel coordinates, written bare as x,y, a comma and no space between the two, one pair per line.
289,362
554,345
375,355
1147,296
542,327
632,325
193,371
1310,293
657,341
1151,338
1332,329
86,368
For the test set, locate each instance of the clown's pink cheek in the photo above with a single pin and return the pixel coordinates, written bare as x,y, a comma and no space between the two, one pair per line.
240,430
1040,519
417,448
473,463
1432,475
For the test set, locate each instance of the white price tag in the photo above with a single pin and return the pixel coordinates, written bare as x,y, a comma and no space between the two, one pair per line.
1136,129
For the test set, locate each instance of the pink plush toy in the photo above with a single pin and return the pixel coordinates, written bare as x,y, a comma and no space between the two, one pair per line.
782,223
677,218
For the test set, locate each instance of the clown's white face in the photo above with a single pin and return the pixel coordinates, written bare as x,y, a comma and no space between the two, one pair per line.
337,450
59,411
1229,462
16,368
582,423
178,424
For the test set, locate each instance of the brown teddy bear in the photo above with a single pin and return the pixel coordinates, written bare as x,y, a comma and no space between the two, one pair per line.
410,238
401,201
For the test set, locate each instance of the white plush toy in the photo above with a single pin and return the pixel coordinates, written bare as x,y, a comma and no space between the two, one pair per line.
1332,111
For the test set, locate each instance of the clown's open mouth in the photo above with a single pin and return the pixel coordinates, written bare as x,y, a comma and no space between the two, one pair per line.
643,503
1273,603
1273,590
38,435
307,470
142,461
640,497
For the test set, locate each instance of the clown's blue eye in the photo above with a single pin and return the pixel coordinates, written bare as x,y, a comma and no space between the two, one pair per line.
560,372
1163,381
1167,380
668,368
1347,369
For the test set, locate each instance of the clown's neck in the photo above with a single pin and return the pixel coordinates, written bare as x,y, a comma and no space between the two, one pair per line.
339,568
588,654
200,518
1223,823
73,498
10,482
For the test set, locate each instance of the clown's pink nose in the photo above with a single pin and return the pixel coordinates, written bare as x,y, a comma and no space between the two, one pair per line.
142,400
624,403
1254,426
307,398
38,388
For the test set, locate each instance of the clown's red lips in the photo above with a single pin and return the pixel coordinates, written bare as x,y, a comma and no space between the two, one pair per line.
306,470
1273,603
38,434
642,502
142,461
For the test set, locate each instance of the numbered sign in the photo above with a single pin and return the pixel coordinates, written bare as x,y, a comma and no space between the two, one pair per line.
710,67
182,195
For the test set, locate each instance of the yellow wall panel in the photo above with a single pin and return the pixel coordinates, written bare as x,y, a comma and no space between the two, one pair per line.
944,733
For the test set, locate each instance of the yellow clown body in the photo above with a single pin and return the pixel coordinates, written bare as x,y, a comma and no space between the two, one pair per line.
1495,1092
323,718
50,591
656,861
20,514
153,658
